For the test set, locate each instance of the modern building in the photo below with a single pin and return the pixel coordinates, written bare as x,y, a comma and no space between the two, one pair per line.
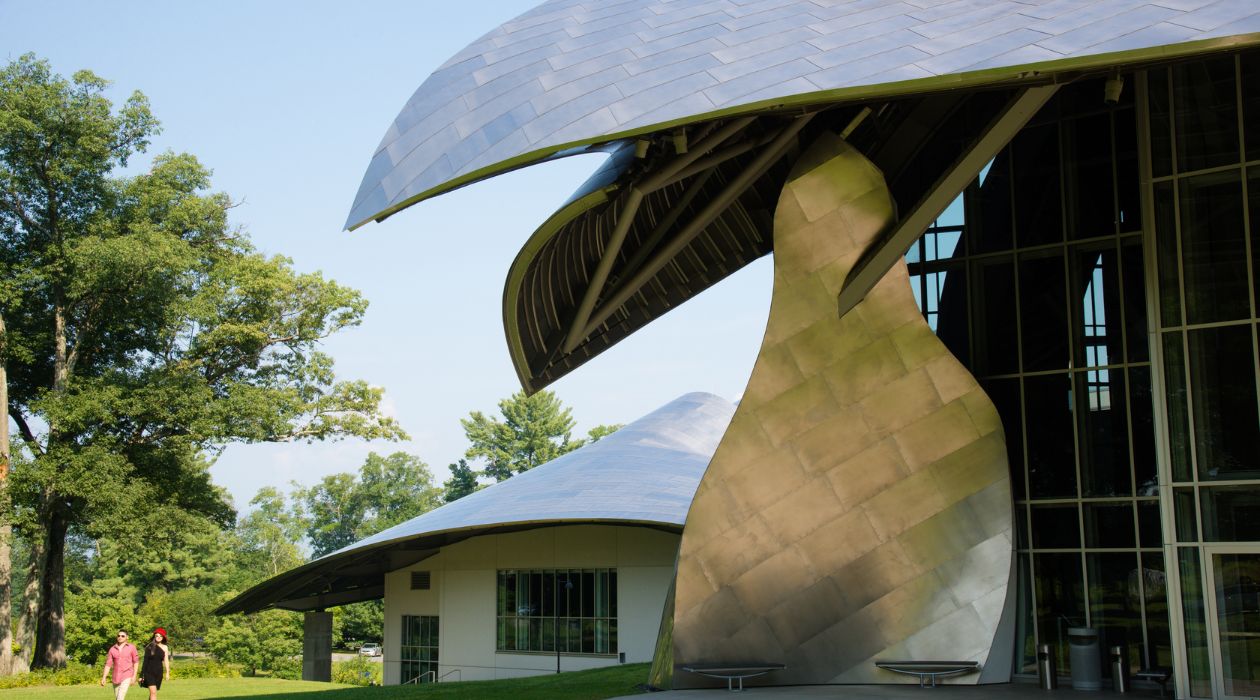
579,549
1009,380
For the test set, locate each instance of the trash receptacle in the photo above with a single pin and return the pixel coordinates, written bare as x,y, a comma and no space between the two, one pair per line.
1086,660
1047,673
1119,670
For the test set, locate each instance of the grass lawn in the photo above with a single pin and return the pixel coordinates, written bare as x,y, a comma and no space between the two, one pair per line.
578,685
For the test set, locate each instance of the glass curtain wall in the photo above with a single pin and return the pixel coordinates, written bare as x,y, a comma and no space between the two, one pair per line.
1204,122
1035,280
574,610
419,651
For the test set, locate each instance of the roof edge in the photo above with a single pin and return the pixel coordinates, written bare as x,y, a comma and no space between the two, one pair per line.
1022,73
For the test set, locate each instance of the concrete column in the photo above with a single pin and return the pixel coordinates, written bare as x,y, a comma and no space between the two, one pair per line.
317,646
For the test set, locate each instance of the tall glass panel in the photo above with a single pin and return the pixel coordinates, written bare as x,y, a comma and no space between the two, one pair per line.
1195,612
1038,202
1048,404
1060,590
1115,601
1213,248
1088,183
1237,578
1223,382
1042,309
1205,113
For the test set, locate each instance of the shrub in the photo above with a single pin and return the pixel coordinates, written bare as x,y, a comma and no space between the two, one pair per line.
352,672
74,673
203,668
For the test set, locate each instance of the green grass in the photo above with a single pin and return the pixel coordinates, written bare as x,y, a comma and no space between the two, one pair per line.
578,685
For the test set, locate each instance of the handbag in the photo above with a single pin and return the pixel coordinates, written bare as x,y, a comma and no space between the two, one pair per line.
143,683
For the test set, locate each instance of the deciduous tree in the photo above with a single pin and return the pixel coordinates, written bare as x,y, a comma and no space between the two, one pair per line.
142,329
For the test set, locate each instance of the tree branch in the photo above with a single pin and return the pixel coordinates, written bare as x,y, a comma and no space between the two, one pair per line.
28,436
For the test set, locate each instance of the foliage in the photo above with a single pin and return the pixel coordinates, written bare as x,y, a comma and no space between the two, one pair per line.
534,430
74,673
92,622
186,615
463,481
357,672
168,550
600,432
143,331
266,641
344,508
268,537
202,668
361,622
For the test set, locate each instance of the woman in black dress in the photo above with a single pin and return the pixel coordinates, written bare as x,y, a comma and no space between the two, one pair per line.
157,664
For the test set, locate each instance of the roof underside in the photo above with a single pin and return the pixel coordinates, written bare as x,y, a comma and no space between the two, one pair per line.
714,83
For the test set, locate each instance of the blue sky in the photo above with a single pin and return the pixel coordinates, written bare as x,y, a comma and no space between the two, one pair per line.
286,102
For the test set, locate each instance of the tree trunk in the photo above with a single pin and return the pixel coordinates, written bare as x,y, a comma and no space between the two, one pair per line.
30,603
6,527
50,623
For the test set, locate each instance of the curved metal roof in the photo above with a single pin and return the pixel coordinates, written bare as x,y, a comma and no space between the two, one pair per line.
646,473
572,73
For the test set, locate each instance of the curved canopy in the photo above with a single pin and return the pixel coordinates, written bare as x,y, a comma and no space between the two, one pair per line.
703,104
644,474
569,74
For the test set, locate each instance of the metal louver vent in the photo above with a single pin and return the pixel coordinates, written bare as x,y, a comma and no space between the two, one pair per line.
420,580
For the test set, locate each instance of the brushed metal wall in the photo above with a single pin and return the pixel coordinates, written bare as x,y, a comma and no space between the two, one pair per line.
859,505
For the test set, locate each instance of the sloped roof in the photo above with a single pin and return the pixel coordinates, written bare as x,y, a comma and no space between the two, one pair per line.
571,73
646,473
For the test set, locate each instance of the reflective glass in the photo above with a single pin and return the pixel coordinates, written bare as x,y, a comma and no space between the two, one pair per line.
1253,201
1087,174
1205,113
1237,578
1230,513
1096,317
1155,585
1060,601
1134,274
1213,247
1025,634
1055,526
1178,413
1167,254
989,208
1115,601
1043,312
1129,200
1103,433
1149,531
1223,387
1051,449
1251,102
1109,525
1157,94
1142,425
1192,606
1005,396
1038,213
1185,514
993,317
949,317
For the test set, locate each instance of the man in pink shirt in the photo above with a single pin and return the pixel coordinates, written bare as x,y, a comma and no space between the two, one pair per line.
123,658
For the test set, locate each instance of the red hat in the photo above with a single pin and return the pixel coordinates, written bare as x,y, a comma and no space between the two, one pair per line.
161,631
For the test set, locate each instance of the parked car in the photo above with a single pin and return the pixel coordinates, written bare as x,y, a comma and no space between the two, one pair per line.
370,649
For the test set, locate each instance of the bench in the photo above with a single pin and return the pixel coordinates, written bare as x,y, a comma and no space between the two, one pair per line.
929,671
1159,674
732,672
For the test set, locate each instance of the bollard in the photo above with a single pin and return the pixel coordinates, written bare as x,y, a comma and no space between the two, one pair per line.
1119,670
1047,674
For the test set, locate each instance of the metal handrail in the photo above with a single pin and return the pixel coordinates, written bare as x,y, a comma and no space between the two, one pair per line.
460,671
416,680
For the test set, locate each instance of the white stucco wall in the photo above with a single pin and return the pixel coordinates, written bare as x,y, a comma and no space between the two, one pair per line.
462,595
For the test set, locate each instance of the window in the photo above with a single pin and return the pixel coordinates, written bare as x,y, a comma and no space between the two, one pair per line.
570,610
419,651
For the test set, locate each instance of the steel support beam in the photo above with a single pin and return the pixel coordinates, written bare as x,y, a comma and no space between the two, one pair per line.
879,258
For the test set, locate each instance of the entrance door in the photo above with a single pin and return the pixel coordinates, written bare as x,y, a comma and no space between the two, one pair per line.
1234,619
